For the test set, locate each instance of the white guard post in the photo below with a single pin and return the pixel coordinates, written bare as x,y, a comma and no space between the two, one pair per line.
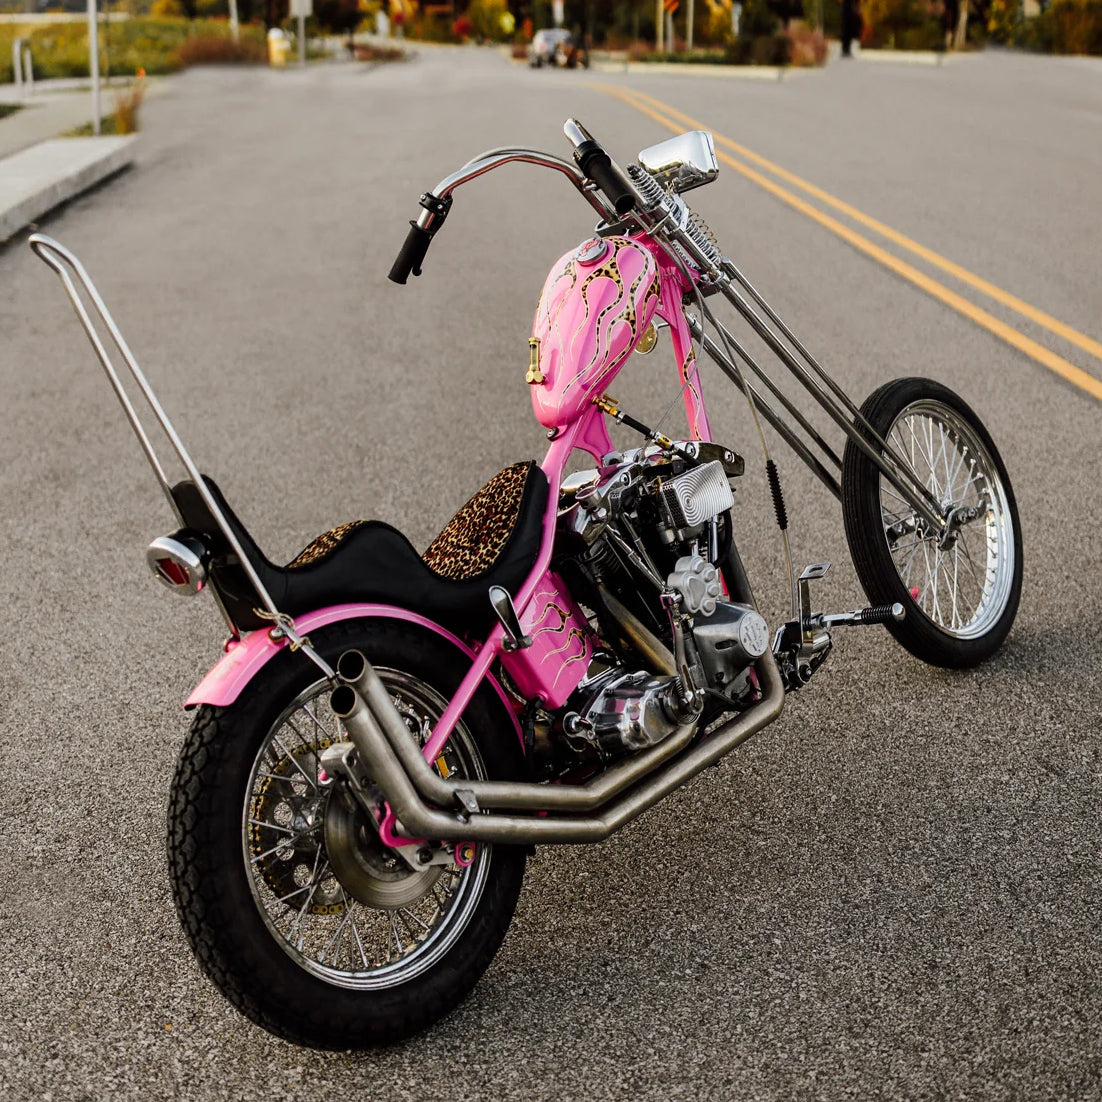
93,62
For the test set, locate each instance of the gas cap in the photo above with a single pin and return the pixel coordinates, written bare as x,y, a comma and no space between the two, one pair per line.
590,252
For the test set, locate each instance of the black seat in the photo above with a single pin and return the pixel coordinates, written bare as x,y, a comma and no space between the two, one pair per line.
493,540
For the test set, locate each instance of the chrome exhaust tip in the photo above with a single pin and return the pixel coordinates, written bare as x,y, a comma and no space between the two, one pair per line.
180,562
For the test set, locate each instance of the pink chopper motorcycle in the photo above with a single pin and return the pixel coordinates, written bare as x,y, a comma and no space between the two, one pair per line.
388,733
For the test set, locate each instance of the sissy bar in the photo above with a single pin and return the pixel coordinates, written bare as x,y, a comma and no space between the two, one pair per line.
71,273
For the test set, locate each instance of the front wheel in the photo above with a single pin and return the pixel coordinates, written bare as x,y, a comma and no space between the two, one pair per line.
295,909
960,594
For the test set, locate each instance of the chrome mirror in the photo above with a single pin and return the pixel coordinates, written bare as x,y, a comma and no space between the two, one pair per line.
684,162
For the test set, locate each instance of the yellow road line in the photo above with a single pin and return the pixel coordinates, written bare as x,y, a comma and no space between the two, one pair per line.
1014,303
1074,375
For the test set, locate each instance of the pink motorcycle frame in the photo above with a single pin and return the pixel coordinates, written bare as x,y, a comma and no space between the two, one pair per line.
588,432
539,598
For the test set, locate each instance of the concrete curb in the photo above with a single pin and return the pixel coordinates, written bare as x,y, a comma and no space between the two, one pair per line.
51,173
725,72
903,57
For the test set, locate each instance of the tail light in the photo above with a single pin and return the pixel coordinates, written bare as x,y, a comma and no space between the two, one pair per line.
180,561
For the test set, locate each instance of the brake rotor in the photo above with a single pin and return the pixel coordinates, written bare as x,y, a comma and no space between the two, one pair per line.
369,870
284,798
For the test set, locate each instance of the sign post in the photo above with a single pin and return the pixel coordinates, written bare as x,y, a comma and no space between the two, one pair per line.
93,63
670,6
302,9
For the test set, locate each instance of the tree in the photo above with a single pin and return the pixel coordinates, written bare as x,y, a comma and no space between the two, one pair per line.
338,16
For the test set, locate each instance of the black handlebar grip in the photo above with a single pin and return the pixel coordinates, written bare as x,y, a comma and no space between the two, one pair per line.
597,165
412,254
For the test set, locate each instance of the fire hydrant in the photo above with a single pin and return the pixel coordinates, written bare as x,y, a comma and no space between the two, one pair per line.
279,48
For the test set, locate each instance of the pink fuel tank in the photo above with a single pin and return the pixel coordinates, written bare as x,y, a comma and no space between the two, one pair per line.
596,304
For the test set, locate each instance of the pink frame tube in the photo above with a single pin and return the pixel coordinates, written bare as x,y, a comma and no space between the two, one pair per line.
674,286
243,660
581,433
589,433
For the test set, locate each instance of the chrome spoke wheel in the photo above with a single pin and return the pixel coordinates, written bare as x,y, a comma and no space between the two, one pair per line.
961,582
959,585
340,903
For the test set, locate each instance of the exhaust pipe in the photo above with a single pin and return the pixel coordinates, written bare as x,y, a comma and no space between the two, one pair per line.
357,672
386,750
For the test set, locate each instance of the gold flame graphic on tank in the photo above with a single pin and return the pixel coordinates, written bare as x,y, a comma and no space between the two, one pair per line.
596,304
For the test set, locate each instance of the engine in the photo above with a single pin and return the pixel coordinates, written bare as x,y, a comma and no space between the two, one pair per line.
645,539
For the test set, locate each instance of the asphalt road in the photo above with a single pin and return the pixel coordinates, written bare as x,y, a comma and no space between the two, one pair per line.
893,892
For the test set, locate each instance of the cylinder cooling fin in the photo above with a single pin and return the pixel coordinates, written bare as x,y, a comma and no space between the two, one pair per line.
698,495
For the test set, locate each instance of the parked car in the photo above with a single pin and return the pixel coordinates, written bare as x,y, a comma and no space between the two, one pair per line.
545,47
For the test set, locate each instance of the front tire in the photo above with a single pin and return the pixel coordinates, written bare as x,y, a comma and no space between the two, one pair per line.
960,599
316,959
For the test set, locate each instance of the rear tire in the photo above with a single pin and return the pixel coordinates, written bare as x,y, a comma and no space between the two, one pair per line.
273,926
961,600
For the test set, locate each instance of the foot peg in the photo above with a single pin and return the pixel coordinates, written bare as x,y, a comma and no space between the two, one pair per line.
802,645
878,614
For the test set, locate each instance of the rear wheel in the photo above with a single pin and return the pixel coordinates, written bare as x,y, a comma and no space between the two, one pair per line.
296,910
961,593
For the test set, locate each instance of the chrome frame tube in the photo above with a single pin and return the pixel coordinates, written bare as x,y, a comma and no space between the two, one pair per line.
790,407
416,819
57,257
731,269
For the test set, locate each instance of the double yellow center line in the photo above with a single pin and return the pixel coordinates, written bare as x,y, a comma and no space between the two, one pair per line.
677,122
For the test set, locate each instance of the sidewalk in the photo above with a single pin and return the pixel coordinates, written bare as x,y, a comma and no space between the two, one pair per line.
56,106
38,170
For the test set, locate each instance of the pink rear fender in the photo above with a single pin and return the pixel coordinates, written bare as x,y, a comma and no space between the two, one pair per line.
228,677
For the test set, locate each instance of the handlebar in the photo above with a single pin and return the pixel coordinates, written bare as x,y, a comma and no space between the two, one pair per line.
408,261
594,165
592,159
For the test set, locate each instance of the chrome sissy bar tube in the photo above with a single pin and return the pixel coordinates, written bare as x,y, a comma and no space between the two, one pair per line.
67,266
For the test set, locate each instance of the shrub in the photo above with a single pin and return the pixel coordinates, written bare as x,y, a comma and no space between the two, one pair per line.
904,25
462,28
61,49
379,53
127,104
429,28
807,48
762,49
1067,27
486,19
212,49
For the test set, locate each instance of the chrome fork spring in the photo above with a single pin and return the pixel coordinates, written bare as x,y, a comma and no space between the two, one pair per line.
646,185
696,229
703,237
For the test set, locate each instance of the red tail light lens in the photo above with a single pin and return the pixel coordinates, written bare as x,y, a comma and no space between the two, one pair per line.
172,572
180,561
